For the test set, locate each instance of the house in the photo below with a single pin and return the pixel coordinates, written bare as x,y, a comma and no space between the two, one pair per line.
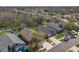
54,19
48,31
55,26
8,40
67,16
26,34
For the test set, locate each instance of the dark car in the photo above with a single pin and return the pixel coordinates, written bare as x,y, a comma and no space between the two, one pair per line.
72,37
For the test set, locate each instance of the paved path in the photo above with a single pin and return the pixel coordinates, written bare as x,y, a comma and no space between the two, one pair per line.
64,46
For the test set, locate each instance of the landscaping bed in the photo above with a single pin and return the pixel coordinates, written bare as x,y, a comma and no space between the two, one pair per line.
70,51
2,33
43,50
77,45
50,41
53,44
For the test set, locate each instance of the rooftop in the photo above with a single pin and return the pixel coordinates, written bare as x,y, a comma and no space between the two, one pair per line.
55,26
8,40
26,33
45,29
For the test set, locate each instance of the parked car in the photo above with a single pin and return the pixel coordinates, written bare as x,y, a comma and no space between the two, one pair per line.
66,38
73,36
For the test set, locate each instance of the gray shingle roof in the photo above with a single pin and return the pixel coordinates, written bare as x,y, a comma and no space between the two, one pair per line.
54,26
8,40
14,38
45,29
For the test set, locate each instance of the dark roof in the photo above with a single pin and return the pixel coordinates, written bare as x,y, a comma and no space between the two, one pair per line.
45,29
55,26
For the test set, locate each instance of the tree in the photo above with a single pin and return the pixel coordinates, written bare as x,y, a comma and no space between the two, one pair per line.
38,36
68,27
33,47
46,10
40,20
72,20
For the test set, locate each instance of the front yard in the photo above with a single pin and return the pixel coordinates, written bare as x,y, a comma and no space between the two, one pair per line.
59,36
2,33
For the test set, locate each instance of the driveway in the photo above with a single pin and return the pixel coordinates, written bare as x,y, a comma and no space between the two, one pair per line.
64,46
46,45
55,40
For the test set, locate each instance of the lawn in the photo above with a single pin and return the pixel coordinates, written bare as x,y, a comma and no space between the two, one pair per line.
2,33
59,35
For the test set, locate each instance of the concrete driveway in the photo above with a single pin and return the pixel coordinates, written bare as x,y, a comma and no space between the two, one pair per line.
55,40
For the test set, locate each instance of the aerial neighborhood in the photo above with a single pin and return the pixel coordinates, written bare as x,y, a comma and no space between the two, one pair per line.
39,29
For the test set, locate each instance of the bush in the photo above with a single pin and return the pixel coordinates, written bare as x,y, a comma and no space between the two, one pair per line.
50,41
70,51
77,45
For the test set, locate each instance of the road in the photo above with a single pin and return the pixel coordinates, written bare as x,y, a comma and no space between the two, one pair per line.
64,46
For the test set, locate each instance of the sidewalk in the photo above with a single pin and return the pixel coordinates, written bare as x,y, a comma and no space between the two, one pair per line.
74,49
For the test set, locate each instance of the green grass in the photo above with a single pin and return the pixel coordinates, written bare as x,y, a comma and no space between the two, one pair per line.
72,20
59,35
2,33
